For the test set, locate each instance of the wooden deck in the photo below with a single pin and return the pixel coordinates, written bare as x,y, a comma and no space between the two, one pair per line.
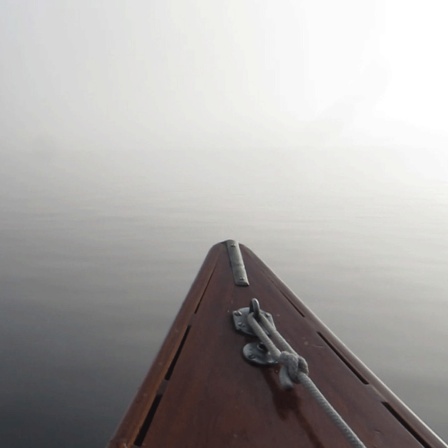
201,393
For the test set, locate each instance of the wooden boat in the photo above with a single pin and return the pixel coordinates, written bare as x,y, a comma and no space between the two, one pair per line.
201,391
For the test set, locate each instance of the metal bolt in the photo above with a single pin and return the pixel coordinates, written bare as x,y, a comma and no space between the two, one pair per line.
255,308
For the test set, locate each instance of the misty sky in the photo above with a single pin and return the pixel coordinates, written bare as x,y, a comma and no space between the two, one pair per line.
203,74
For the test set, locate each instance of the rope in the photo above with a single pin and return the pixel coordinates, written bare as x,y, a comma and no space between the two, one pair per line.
295,369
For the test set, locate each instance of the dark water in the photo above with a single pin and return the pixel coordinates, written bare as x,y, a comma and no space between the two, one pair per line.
99,250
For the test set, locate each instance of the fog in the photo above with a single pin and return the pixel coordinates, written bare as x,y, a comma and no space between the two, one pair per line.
210,75
133,135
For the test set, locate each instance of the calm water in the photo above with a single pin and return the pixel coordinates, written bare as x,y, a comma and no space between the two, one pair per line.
99,250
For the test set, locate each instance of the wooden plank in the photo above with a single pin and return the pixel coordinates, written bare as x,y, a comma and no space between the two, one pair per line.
395,406
137,414
201,393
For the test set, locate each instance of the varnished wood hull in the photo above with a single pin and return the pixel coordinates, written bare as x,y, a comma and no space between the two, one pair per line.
201,393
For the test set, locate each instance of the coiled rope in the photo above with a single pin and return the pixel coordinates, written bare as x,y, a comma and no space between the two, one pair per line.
295,368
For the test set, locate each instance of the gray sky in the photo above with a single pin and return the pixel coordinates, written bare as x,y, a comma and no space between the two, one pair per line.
175,74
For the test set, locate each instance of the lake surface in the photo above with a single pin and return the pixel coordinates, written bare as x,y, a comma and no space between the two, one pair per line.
98,250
